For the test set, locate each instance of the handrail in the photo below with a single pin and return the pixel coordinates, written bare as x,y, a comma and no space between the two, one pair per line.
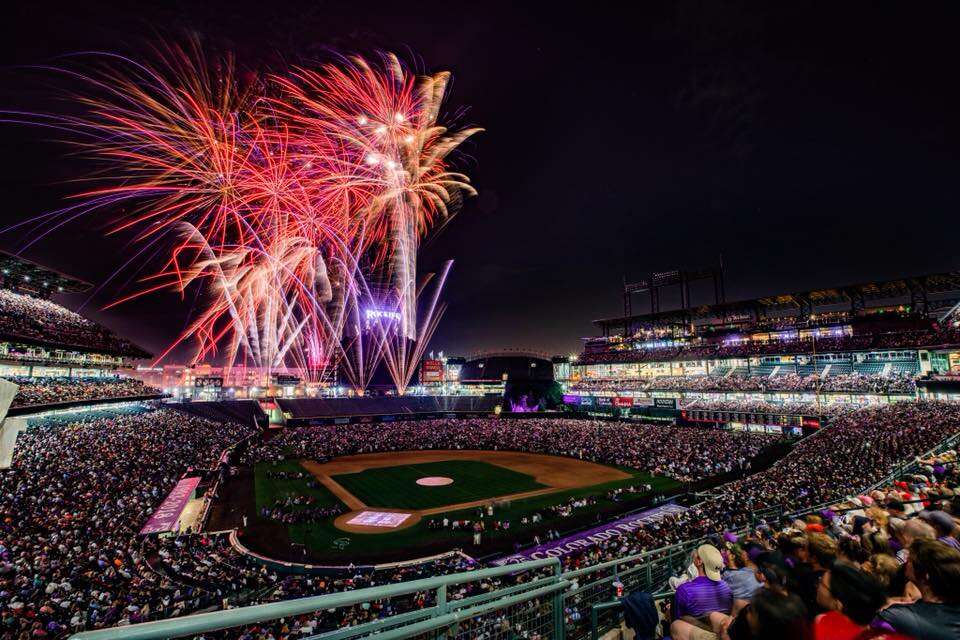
204,622
575,573
417,615
433,623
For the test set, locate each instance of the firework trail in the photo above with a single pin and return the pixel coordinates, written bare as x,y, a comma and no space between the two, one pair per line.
296,201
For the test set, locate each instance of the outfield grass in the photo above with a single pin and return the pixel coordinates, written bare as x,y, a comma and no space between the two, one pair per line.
397,487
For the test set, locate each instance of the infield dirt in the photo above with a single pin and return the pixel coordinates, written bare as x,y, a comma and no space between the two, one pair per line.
557,473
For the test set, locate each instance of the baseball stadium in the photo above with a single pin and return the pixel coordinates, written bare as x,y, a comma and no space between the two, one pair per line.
245,394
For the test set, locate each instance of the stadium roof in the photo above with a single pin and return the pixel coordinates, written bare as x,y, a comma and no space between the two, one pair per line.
899,288
26,274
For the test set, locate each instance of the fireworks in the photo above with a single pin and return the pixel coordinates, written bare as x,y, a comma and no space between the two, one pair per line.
295,201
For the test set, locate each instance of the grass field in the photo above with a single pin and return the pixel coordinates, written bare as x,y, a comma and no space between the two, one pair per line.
396,487
319,537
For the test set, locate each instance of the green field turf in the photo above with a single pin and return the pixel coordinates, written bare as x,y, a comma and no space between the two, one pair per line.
397,486
320,537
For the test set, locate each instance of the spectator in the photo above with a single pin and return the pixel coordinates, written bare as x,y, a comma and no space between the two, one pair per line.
912,530
935,569
851,598
697,599
944,526
773,614
742,575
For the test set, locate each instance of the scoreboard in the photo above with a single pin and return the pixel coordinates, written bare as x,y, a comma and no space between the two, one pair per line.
431,372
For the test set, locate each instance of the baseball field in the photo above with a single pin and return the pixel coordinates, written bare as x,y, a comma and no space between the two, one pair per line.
392,506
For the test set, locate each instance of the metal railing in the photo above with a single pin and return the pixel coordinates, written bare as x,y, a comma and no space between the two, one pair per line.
599,583
532,607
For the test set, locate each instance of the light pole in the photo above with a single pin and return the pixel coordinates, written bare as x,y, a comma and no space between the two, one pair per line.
819,383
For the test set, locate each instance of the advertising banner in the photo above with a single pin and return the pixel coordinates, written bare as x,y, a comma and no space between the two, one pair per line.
590,537
168,513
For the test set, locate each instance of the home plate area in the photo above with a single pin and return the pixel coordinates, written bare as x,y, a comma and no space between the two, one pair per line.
386,519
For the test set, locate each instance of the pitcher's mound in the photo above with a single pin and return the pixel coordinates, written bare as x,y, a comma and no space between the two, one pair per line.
434,481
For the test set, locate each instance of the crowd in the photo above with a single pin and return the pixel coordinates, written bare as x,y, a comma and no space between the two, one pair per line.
883,564
71,506
39,391
913,339
73,502
35,319
903,383
485,521
855,382
859,449
207,567
299,508
681,453
760,407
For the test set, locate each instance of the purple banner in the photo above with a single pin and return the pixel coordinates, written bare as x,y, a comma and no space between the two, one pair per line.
584,539
166,516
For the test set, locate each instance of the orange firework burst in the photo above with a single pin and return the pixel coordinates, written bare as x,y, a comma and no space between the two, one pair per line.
282,198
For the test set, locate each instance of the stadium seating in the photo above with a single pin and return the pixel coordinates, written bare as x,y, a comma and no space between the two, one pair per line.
246,412
386,405
24,317
837,378
912,339
870,368
103,574
35,392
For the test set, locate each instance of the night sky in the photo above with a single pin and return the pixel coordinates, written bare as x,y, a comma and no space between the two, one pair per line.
809,144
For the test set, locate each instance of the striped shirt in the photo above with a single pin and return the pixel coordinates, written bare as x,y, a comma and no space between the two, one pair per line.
743,582
702,596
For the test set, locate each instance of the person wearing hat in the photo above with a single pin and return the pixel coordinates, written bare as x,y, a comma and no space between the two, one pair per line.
697,599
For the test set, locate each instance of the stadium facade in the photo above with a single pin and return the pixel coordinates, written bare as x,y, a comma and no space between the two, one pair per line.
792,355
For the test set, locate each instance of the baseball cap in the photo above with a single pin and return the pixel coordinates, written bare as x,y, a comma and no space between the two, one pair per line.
712,561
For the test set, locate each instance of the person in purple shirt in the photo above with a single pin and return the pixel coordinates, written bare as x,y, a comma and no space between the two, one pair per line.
697,599
944,526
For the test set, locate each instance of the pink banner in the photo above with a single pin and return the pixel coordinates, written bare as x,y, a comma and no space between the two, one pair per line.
166,516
